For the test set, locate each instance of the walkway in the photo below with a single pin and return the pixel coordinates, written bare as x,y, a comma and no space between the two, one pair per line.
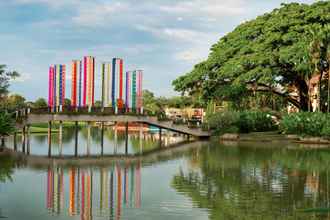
33,118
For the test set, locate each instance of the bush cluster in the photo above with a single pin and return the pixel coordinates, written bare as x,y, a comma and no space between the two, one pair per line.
241,122
315,124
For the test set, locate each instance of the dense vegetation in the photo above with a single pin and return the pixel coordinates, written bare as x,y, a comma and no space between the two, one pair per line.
271,55
240,122
306,124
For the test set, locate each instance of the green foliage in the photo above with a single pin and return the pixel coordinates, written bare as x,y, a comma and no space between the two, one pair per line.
272,51
240,122
7,124
5,77
255,121
13,102
306,124
40,103
224,122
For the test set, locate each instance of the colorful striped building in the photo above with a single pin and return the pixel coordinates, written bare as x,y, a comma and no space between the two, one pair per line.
89,81
119,90
56,87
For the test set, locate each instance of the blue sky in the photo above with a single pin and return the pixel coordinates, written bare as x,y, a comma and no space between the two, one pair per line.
165,38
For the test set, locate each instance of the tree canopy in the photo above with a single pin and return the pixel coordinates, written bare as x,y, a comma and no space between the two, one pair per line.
270,53
5,77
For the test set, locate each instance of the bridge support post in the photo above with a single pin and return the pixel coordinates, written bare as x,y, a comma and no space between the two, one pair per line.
160,136
88,138
15,141
102,138
2,142
126,138
116,141
49,139
28,139
23,139
76,140
60,137
141,136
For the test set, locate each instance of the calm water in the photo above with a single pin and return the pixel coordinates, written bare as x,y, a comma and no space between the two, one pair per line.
198,181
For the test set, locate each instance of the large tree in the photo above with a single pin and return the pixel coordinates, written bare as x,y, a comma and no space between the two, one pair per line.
5,77
271,53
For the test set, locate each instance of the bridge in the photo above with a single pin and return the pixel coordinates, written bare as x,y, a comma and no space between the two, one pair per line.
33,116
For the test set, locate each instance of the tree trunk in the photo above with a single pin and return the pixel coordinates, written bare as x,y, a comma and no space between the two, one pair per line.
328,103
309,95
2,143
319,95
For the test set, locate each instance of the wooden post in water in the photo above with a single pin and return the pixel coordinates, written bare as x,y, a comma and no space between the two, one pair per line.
49,139
141,136
88,138
126,138
23,139
160,136
15,142
28,139
60,137
76,140
102,137
116,139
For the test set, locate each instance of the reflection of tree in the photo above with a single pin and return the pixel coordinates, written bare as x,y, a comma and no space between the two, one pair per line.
255,183
6,168
147,144
40,138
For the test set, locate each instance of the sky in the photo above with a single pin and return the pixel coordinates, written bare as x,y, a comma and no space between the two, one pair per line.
165,38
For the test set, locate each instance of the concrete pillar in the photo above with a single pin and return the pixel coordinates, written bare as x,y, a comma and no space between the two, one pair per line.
88,138
49,139
141,136
76,140
23,139
15,141
102,138
60,138
28,139
126,138
160,136
116,139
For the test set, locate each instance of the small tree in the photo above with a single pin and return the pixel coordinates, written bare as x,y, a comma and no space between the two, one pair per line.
40,103
7,127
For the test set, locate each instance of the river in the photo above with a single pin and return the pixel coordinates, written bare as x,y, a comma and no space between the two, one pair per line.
195,180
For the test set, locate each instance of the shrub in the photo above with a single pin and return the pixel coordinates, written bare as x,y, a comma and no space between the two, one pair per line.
255,121
306,124
224,122
243,122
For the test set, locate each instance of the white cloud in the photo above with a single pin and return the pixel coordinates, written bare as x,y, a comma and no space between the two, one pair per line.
209,8
98,14
52,3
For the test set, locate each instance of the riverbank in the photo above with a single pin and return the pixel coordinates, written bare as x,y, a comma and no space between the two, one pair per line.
274,136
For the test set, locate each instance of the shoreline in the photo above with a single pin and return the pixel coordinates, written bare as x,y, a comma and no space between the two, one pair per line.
272,137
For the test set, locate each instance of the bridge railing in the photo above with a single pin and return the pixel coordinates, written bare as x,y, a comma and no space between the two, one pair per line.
85,110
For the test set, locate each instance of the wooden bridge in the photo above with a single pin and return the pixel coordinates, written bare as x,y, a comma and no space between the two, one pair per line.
32,117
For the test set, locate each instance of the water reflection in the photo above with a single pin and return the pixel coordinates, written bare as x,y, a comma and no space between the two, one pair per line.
245,182
91,140
113,188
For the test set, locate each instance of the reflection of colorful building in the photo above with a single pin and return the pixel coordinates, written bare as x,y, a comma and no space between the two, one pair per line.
55,190
120,187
